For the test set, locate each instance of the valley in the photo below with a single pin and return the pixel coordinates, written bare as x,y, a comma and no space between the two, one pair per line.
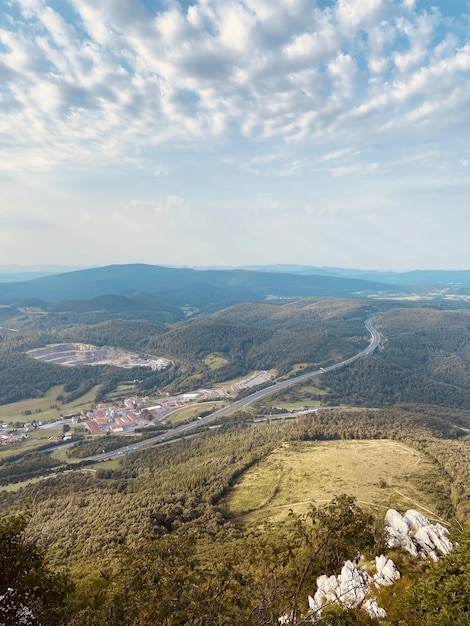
272,420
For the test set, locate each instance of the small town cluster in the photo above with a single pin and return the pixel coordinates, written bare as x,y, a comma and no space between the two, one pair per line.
111,419
9,435
128,416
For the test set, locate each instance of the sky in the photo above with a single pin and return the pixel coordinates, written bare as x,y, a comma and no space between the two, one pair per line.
230,133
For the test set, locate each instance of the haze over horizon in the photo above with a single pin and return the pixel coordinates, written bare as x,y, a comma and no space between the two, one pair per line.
230,133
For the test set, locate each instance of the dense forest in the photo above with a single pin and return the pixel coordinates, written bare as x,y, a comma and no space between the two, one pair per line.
424,358
246,337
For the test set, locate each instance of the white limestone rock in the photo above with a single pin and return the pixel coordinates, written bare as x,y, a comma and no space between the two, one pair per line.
326,593
286,619
349,589
398,539
425,539
394,520
386,571
415,520
412,533
353,585
433,537
433,556
374,610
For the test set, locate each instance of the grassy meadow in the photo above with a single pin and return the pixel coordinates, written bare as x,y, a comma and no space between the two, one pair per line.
192,411
40,410
379,473
47,407
214,361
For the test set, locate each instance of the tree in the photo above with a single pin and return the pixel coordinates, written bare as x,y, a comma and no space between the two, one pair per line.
30,593
328,536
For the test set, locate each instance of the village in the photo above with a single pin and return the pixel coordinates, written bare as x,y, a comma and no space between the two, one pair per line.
132,414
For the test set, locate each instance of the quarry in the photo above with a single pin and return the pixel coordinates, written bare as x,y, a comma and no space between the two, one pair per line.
73,354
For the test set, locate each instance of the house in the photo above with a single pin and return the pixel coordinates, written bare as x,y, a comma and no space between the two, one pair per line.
93,428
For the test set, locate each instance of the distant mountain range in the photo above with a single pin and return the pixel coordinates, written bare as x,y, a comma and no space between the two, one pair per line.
202,288
17,273
412,277
182,285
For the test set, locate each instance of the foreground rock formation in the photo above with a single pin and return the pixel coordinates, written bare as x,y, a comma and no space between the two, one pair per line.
356,586
416,535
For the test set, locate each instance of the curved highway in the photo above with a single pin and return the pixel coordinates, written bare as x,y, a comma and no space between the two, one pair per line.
243,402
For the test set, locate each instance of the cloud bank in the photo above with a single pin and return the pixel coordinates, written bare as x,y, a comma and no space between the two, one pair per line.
201,132
87,81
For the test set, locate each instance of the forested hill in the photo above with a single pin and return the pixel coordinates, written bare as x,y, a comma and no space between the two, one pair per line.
183,286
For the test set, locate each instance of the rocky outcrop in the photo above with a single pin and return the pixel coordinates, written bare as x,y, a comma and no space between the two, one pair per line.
349,588
356,586
394,520
353,587
386,572
373,609
415,520
431,538
415,534
398,539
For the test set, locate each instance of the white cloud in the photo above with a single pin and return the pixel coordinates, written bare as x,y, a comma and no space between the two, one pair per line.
353,14
170,206
282,70
418,34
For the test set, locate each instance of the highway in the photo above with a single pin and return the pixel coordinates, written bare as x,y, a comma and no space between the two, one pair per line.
243,402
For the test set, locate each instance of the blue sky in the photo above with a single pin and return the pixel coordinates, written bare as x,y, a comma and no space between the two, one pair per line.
222,132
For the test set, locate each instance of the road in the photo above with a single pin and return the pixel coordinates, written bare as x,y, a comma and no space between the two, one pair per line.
243,402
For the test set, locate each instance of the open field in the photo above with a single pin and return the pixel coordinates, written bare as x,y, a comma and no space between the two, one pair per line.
296,398
35,439
61,454
380,474
192,411
112,465
42,435
298,368
17,486
213,361
227,384
299,405
47,407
